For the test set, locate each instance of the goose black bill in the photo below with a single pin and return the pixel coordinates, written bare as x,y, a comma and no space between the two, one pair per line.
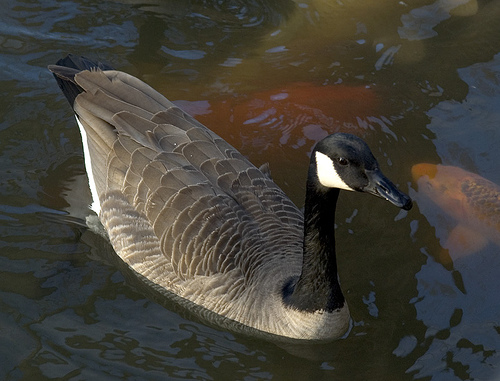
382,187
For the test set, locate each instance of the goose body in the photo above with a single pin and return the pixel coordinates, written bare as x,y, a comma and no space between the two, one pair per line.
191,215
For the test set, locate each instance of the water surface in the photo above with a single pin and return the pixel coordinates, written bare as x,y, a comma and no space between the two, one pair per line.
419,81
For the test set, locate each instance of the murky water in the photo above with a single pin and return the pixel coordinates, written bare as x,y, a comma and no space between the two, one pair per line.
420,81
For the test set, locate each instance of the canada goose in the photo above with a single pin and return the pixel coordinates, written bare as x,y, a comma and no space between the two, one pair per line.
189,213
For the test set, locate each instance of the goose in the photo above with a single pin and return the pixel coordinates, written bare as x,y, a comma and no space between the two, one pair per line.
192,217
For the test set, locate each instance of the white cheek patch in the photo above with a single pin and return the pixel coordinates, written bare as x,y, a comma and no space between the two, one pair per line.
96,205
327,175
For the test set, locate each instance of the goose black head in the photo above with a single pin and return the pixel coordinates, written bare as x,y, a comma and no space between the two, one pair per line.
344,161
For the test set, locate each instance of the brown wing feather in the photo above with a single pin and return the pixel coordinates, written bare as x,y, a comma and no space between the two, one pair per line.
211,209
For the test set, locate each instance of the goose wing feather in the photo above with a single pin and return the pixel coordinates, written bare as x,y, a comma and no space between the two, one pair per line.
211,210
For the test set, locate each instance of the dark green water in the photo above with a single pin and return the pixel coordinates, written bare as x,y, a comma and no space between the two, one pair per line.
432,75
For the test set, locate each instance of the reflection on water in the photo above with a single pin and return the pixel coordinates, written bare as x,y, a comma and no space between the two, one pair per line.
420,81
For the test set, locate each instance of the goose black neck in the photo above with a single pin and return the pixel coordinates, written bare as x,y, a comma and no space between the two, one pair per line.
317,288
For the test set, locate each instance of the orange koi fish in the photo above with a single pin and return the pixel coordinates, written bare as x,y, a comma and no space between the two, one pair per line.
470,199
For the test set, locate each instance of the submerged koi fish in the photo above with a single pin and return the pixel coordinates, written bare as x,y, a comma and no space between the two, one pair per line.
470,199
289,115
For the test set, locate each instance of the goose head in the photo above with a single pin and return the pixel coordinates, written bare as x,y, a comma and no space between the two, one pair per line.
340,161
344,161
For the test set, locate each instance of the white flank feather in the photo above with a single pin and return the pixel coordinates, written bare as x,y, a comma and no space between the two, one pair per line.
96,205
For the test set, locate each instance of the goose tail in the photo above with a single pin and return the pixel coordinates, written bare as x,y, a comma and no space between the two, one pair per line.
96,134
66,68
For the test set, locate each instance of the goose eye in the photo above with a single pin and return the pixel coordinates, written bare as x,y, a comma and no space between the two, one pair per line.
342,161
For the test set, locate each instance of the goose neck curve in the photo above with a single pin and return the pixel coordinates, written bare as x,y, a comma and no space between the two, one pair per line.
317,288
